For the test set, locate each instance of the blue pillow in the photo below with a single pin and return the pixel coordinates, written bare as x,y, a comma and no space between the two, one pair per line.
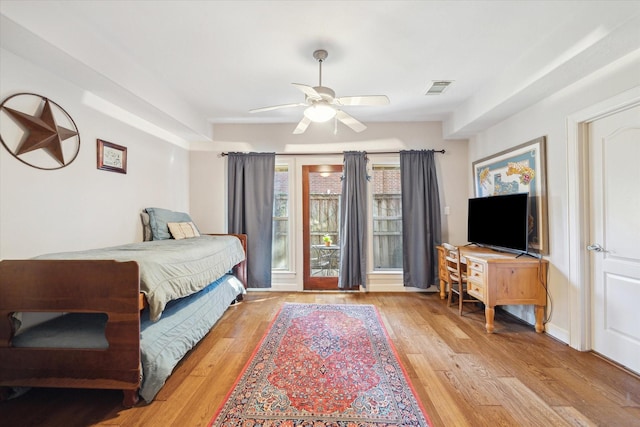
158,219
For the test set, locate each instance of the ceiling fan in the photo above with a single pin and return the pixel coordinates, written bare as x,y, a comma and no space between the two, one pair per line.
322,104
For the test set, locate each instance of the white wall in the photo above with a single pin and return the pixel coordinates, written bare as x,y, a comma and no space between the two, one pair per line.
549,118
208,177
80,207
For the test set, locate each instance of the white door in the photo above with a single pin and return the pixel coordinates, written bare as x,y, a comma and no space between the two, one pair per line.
614,159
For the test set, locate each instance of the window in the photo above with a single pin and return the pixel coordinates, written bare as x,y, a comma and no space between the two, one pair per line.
387,218
280,239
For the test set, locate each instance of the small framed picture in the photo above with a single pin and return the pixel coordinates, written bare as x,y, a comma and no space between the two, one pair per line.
112,157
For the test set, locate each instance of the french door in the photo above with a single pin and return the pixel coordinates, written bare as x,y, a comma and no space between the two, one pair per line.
321,188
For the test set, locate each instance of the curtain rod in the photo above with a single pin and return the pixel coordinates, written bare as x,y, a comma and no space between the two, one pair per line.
335,154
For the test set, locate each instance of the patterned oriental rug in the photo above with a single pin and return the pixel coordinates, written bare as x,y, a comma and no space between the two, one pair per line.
323,365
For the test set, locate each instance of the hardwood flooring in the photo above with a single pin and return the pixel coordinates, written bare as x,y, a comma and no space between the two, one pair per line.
463,376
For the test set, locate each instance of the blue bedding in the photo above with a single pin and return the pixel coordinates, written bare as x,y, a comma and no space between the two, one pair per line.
184,323
73,330
171,269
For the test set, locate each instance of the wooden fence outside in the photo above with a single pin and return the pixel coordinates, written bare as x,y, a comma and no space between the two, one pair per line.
280,246
387,231
325,218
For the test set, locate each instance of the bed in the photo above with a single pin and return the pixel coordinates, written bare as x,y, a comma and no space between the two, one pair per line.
131,312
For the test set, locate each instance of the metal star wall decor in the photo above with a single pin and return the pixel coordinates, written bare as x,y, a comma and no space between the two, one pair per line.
40,131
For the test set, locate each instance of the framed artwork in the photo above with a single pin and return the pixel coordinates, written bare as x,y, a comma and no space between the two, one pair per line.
519,169
112,157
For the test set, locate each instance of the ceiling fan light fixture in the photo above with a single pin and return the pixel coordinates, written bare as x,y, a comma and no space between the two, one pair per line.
320,113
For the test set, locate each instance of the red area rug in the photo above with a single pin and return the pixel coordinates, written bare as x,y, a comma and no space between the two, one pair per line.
323,365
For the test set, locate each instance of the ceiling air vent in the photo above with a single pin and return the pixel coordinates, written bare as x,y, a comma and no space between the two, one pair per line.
438,87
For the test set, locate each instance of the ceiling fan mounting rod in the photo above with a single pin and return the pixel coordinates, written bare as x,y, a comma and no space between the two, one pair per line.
320,55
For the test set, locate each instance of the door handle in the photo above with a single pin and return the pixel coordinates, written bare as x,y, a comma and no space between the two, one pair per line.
595,247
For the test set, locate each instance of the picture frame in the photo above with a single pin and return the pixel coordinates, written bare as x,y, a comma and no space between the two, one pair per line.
521,169
112,157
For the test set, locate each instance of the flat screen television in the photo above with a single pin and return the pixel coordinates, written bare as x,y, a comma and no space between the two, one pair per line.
500,222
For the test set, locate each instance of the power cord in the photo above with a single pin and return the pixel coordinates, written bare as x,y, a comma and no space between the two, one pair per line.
546,288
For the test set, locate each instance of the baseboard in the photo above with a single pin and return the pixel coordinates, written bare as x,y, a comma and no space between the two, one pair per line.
277,288
560,334
381,287
292,287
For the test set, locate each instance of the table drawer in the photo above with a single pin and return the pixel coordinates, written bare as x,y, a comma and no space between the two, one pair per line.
475,265
475,289
475,274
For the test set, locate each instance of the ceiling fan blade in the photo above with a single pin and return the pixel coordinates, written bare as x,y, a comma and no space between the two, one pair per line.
302,125
275,107
363,100
350,121
308,90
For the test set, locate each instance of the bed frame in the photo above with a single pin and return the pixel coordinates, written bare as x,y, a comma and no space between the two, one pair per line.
80,286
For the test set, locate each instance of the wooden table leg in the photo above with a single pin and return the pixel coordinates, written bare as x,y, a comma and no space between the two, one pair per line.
489,313
443,289
539,318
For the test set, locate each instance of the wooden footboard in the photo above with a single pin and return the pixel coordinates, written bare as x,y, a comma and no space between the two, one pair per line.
94,286
76,286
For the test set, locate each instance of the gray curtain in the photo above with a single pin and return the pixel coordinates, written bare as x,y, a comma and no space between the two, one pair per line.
421,231
250,210
353,221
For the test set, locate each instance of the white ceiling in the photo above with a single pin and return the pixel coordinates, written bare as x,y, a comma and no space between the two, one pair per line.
183,65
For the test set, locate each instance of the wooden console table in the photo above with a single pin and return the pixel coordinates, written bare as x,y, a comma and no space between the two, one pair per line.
497,278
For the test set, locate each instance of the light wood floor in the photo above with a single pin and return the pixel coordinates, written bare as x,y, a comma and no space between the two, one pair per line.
463,376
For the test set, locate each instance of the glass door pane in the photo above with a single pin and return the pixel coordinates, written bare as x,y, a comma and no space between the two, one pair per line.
321,217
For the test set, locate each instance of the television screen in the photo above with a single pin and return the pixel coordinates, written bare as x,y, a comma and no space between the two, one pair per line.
500,221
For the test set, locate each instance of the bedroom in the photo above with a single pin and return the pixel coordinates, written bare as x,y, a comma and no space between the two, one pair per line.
173,149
